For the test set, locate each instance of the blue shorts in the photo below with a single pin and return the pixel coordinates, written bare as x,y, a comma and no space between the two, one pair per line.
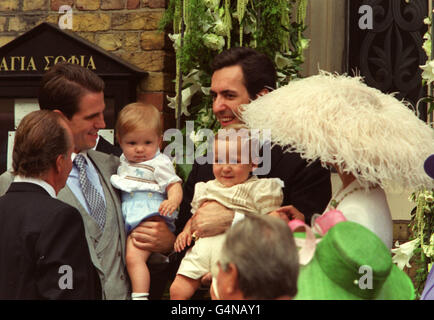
141,205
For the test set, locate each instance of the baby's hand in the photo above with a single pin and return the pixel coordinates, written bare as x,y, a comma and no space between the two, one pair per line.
167,207
183,240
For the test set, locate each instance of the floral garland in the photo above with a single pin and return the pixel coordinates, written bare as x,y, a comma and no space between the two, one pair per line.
420,250
204,28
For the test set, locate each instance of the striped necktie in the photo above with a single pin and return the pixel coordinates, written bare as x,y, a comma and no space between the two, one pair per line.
93,198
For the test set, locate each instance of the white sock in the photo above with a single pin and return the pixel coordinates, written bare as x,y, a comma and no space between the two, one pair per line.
139,296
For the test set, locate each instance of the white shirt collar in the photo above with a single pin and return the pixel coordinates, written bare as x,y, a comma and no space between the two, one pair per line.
47,187
83,153
97,140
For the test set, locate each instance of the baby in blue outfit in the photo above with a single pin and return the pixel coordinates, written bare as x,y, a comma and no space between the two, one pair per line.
148,183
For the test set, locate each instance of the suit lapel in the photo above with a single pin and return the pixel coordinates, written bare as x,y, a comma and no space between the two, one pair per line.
105,168
66,195
107,165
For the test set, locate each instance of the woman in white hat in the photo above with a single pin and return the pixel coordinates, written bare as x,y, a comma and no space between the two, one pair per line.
371,139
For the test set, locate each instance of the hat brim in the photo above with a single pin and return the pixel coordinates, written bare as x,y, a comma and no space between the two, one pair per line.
314,284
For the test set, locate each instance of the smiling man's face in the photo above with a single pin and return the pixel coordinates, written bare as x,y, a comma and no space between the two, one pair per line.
228,92
88,120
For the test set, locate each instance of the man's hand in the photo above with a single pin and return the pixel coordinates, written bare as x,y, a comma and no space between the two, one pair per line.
288,213
153,235
211,219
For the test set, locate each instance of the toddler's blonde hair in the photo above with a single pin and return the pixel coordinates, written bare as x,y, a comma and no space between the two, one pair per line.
138,115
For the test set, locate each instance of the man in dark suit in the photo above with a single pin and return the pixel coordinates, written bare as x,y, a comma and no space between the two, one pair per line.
78,94
43,248
239,76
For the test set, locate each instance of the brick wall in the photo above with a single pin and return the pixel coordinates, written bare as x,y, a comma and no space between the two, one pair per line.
126,28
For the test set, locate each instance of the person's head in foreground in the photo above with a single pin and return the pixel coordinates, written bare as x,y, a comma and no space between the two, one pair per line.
139,131
42,148
366,134
234,155
352,263
258,260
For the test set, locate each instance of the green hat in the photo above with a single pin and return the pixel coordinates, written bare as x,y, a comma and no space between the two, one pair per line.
352,263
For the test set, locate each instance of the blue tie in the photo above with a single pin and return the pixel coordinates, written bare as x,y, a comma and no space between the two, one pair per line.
93,197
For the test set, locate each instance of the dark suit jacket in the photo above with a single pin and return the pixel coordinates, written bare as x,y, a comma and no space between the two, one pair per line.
106,147
38,235
308,188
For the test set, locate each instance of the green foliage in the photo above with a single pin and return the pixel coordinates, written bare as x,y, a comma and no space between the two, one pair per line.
211,26
422,226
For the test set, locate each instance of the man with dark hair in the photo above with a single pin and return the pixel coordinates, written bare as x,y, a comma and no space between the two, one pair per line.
258,260
43,248
239,76
66,84
77,93
257,69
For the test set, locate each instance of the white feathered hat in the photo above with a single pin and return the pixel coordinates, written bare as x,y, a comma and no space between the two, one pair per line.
340,120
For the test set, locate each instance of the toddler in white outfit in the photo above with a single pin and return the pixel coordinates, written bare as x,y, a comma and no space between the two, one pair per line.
149,184
235,188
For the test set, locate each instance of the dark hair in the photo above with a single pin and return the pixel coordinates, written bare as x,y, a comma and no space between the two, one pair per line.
40,138
258,70
64,85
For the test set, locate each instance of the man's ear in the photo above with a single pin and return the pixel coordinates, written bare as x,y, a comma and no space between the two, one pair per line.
59,163
60,112
232,272
68,121
262,92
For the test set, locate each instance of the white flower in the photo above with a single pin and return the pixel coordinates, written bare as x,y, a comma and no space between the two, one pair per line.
176,38
428,71
429,197
196,137
304,44
205,119
206,90
428,249
213,41
187,94
281,61
281,76
403,253
219,27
